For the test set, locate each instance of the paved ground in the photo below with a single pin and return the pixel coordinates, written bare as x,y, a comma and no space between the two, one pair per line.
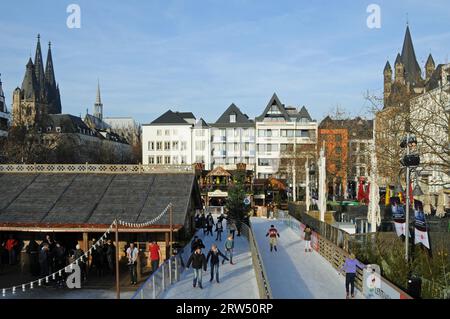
292,273
236,281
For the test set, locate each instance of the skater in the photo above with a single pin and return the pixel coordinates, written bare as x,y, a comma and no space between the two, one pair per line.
219,230
132,255
197,242
229,246
308,233
215,253
350,273
198,261
232,228
155,255
209,224
272,234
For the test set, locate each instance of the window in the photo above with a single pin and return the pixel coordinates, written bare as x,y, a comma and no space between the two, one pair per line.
166,159
167,132
287,133
151,160
151,146
174,132
200,145
58,129
167,146
175,145
200,159
159,160
49,129
183,159
232,118
159,132
183,146
175,160
287,147
158,146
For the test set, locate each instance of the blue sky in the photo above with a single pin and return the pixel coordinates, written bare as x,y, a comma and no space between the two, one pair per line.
202,55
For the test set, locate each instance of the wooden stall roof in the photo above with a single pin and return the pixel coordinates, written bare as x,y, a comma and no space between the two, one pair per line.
65,201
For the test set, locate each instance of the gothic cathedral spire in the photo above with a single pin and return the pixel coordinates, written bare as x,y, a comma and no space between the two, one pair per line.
39,68
98,106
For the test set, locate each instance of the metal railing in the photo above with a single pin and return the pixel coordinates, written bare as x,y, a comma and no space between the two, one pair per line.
165,276
262,281
329,250
95,168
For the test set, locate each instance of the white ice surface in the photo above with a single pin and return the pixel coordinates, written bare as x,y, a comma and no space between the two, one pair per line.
292,273
236,281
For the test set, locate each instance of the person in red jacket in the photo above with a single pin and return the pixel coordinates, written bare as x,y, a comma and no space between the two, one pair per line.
155,255
10,246
272,234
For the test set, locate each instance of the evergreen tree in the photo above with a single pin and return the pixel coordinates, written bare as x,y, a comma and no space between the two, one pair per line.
237,210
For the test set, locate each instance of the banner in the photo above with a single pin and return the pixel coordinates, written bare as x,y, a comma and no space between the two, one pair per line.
398,215
420,225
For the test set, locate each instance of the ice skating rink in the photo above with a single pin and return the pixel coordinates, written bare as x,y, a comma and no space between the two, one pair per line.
236,281
292,273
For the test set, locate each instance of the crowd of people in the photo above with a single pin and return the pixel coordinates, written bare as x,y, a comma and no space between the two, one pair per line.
199,260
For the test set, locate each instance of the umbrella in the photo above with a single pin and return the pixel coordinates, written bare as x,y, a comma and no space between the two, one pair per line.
373,211
440,208
361,194
388,196
427,204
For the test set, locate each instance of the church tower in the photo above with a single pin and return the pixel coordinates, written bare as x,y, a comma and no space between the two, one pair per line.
39,94
429,67
387,81
98,106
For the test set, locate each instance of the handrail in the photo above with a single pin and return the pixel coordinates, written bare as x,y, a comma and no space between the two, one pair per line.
265,292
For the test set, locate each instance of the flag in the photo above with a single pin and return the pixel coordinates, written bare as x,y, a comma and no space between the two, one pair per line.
411,197
400,229
421,236
388,196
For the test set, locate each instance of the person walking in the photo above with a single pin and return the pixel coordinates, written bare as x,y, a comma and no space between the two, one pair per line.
198,261
78,253
203,223
44,261
229,246
219,231
273,234
349,267
154,254
110,256
33,252
307,234
132,255
214,254
11,246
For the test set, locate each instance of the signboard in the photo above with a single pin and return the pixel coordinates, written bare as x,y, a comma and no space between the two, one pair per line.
247,201
398,215
420,225
217,193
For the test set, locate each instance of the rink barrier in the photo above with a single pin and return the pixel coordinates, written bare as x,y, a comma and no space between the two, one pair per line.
167,274
336,257
265,292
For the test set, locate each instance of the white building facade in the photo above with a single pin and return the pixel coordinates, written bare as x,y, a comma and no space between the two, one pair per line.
175,138
279,131
233,140
430,116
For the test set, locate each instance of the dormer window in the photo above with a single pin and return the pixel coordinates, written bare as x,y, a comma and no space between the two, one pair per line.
49,129
58,129
39,130
232,118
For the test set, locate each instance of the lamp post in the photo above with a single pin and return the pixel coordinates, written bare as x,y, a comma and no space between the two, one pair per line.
408,161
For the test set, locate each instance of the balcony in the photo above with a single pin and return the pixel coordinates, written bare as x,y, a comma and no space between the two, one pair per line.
219,139
219,153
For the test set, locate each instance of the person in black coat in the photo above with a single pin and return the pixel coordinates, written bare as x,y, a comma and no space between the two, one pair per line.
202,222
44,261
198,261
110,255
209,224
33,251
214,254
197,242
